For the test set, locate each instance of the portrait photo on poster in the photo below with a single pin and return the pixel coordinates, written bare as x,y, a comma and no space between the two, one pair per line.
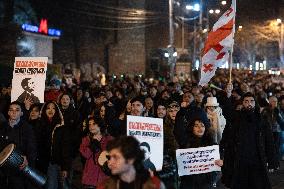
28,85
28,88
148,164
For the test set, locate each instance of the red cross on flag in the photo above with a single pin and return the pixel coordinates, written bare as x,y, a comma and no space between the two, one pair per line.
218,44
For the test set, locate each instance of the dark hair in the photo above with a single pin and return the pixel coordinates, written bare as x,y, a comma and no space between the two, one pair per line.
25,83
206,139
248,94
56,118
63,94
36,105
98,122
17,103
139,99
130,149
146,145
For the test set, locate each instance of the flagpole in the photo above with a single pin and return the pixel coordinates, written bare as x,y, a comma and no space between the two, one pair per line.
232,49
230,66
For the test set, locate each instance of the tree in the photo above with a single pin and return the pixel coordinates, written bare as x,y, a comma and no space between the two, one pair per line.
253,39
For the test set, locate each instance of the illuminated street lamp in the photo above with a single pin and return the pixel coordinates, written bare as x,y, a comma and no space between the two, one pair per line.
195,7
217,11
189,7
224,2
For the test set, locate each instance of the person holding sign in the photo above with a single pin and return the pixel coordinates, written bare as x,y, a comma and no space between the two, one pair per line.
199,137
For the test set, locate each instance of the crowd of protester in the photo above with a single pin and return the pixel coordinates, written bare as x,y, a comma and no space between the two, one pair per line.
245,117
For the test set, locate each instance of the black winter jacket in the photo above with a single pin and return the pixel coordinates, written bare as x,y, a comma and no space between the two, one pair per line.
22,136
231,144
73,121
184,118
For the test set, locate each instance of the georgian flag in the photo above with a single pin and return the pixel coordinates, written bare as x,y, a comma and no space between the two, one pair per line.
218,44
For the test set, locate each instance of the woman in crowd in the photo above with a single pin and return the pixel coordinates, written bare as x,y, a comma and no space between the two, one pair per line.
91,147
55,153
199,137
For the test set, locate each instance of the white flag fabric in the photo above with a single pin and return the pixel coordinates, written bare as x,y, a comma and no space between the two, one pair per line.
218,44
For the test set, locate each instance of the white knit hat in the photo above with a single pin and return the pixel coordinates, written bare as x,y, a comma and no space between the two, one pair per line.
212,101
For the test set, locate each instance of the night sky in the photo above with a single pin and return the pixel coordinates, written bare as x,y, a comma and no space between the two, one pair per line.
58,11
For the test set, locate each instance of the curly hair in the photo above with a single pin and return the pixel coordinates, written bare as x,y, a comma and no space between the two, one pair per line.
98,122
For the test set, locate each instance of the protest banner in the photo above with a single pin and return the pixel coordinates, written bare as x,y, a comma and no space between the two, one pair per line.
149,132
29,79
197,160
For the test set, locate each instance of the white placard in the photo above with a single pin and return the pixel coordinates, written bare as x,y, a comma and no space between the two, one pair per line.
29,79
148,130
197,160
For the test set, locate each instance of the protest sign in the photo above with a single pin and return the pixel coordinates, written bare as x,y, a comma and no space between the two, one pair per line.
29,79
149,132
197,160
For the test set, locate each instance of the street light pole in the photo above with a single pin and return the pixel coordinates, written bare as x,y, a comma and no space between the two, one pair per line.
281,46
200,38
171,23
171,58
279,21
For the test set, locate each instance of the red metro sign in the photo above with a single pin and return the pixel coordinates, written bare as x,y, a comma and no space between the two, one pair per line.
43,26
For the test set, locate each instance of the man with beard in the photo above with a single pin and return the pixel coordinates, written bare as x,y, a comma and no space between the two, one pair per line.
161,110
137,106
247,144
